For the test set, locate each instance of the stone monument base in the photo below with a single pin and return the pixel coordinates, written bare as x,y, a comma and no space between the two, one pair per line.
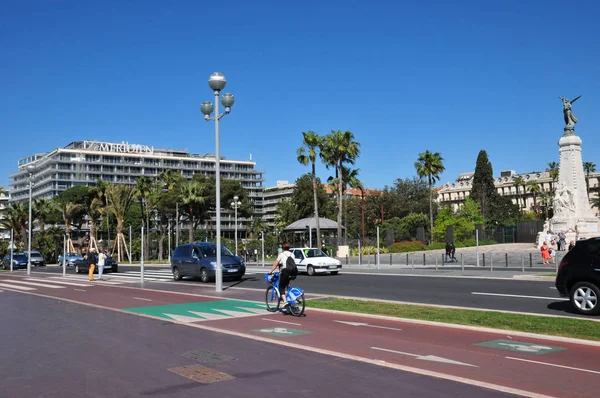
582,228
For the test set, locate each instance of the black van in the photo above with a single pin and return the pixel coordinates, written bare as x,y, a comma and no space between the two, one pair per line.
199,259
578,276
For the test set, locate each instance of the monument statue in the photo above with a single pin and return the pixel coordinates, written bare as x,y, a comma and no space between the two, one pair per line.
570,119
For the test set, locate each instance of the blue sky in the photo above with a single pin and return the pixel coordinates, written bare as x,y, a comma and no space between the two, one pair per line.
451,77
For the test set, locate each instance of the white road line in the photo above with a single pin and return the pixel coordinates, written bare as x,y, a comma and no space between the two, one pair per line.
288,323
37,284
555,365
16,287
520,296
80,290
140,298
59,282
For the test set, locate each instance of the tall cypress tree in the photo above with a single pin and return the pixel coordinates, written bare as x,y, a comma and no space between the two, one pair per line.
483,191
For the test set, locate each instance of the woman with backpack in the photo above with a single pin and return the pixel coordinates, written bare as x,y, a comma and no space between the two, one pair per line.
287,271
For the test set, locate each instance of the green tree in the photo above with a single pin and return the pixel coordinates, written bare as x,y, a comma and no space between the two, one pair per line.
303,201
519,182
430,165
15,218
483,191
42,208
533,187
119,199
553,170
307,153
588,167
194,196
144,189
339,148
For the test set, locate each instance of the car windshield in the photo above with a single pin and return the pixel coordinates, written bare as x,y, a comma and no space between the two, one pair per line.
210,251
19,257
36,254
313,253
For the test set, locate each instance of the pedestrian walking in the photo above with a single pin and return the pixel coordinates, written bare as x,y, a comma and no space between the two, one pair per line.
101,260
92,260
545,253
562,241
552,256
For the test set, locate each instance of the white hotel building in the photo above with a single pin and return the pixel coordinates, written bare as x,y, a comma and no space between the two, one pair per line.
82,163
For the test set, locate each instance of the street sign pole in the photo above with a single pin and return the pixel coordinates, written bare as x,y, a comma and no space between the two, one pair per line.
142,258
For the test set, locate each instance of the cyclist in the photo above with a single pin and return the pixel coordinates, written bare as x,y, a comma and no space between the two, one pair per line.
284,275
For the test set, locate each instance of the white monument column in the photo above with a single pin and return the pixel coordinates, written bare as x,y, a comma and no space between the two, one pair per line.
573,214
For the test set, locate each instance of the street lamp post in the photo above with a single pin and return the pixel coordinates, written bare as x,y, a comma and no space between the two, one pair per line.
30,169
217,82
235,204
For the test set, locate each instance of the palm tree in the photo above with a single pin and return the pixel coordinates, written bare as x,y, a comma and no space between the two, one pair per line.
339,148
349,177
119,198
596,202
68,211
588,167
534,188
144,187
430,165
547,199
193,195
308,153
257,226
519,181
553,170
42,209
15,218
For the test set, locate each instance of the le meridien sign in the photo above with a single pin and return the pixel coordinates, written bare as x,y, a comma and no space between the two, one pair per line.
123,147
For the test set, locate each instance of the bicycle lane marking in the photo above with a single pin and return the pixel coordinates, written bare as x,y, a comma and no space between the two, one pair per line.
454,352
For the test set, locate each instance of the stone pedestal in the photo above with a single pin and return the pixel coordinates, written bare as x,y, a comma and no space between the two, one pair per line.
573,214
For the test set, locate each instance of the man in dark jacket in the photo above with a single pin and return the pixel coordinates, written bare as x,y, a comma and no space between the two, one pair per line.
92,260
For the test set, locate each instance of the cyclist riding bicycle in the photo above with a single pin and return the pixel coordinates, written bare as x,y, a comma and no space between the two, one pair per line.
284,276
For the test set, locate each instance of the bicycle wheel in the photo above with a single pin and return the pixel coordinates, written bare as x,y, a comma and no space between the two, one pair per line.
272,299
297,307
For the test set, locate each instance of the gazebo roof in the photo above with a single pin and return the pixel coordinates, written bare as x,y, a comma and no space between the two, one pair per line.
300,225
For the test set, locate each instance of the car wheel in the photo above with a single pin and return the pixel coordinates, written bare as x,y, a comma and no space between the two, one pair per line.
310,270
77,270
176,274
204,275
584,298
334,272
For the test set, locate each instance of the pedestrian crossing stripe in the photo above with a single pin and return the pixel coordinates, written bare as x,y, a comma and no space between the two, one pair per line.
7,286
202,311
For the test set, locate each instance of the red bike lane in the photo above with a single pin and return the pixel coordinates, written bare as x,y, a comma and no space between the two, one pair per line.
535,365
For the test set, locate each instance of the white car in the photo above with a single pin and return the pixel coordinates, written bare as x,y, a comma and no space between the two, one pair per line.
313,261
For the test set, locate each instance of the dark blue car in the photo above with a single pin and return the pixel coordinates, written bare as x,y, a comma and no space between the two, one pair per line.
199,259
19,261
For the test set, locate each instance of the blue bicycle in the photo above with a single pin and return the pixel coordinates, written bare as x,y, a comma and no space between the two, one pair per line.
294,296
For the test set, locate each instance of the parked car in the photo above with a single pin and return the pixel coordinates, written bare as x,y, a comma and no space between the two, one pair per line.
110,265
578,276
70,258
199,259
313,261
19,261
36,258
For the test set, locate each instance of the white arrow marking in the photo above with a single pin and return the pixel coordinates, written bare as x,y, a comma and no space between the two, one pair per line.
236,314
431,358
366,324
208,316
555,365
183,318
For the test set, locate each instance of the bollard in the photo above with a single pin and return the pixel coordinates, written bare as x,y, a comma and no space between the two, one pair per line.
412,262
407,259
390,258
423,259
462,263
375,259
491,262
506,259
436,266
346,259
522,263
483,259
443,259
530,260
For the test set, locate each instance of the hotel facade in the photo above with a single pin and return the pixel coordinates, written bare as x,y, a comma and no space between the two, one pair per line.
83,163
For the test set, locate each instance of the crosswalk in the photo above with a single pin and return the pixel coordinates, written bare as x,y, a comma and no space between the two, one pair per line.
31,284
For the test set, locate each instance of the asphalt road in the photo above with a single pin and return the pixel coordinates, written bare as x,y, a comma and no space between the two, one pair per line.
528,296
66,349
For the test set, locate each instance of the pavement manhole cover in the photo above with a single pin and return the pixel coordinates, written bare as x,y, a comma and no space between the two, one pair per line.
206,356
201,374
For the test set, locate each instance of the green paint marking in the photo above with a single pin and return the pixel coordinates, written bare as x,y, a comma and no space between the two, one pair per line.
204,310
521,346
281,332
